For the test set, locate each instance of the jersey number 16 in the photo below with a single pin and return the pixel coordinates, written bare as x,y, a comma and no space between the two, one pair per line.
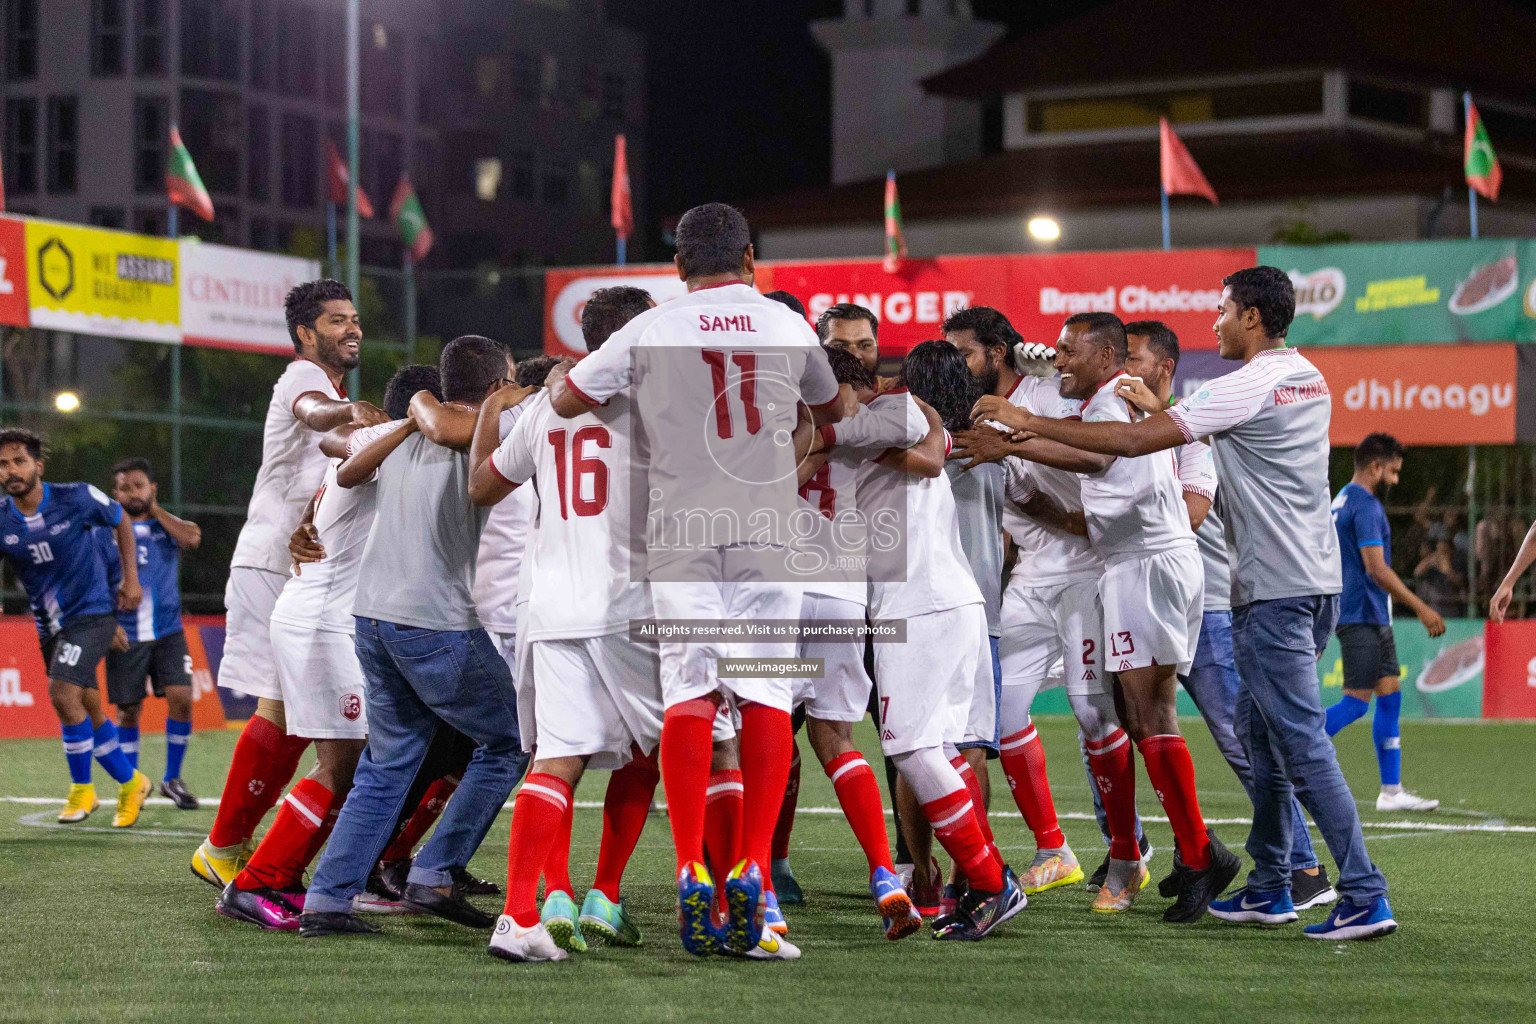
574,467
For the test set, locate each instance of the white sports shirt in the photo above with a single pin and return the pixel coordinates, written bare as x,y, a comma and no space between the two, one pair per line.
499,563
839,531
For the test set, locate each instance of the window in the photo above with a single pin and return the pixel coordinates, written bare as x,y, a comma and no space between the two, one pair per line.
63,143
108,216
151,38
20,146
150,221
549,80
428,86
258,155
334,66
296,40
1096,113
383,72
589,187
21,39
487,178
299,149
487,75
557,174
107,29
522,174
1384,103
214,131
525,76
262,48
914,8
383,161
263,234
150,137
210,38
424,171
613,96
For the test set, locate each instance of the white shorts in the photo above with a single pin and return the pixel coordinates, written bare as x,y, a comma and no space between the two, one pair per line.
842,692
927,683
1052,635
1152,610
324,693
604,697
247,666
981,721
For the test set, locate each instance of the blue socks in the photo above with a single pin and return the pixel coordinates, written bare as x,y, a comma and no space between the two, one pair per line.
176,735
109,752
1350,709
1386,732
128,742
77,751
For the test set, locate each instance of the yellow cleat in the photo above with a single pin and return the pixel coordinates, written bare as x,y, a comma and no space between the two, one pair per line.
216,866
1117,901
130,800
82,801
1051,873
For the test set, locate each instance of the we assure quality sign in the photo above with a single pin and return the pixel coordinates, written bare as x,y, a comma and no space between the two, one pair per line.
103,282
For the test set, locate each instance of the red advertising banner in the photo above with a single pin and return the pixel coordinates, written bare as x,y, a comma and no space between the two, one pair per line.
14,310
1181,288
1509,669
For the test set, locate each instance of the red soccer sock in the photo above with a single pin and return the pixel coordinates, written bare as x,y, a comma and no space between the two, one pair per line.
264,761
859,795
540,806
625,807
427,812
557,868
1024,765
285,849
316,842
955,825
786,822
766,742
722,821
1173,777
685,755
973,786
1115,772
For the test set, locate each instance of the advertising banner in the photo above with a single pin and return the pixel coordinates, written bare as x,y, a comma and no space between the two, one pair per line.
233,298
1442,678
14,311
96,281
1509,688
1437,291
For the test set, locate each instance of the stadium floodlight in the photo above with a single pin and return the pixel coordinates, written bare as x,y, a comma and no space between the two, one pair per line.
66,401
1044,229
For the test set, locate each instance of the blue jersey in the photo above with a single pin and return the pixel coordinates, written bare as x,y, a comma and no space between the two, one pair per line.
159,613
1361,522
54,556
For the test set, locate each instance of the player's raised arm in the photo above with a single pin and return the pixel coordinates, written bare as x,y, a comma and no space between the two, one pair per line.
451,426
926,458
364,461
487,485
333,444
319,413
129,593
184,532
1125,440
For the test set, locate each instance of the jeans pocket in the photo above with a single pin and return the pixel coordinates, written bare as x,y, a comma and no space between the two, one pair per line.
430,660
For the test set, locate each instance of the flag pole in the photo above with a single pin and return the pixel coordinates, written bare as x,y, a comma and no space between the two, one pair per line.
621,247
1466,113
171,221
409,266
354,379
175,410
330,239
1167,240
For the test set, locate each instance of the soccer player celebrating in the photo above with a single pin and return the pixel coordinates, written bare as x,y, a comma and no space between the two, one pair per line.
307,401
1365,615
157,646
45,531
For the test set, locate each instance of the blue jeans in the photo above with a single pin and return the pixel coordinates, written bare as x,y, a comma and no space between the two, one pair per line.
1279,720
1212,684
419,679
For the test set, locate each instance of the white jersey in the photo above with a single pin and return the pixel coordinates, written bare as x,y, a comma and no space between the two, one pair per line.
499,562
581,572
323,594
1135,507
292,467
837,532
917,565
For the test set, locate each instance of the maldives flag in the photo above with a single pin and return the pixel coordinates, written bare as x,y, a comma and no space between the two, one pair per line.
405,210
1482,167
623,218
1181,175
182,184
895,244
338,183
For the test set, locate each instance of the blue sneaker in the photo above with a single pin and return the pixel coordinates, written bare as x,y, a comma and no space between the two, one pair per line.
1247,906
771,917
1350,921
695,910
744,898
897,914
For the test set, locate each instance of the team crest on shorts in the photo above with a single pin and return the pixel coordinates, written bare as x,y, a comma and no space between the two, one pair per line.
351,706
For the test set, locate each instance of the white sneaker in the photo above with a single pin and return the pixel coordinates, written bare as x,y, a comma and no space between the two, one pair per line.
511,941
773,947
1402,800
904,874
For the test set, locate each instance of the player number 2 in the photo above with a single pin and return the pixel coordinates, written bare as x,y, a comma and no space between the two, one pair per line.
1088,648
570,480
41,552
746,362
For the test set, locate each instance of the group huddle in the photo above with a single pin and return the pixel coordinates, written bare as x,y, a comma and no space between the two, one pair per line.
436,592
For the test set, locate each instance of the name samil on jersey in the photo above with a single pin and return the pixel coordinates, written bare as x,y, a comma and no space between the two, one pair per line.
54,556
159,611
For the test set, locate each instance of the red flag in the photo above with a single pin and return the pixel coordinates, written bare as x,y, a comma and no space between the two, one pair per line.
405,210
623,212
1181,175
338,182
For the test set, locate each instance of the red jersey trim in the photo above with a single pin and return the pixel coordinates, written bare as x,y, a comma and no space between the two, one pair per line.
828,432
722,284
500,475
579,394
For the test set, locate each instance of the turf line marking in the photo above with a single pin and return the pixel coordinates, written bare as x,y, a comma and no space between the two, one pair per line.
40,819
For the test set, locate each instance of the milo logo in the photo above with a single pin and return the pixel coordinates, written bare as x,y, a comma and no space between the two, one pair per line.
1319,292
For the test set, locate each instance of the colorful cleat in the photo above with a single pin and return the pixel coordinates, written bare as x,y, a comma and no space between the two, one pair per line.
695,903
607,920
558,917
745,924
1124,883
218,867
81,802
772,947
980,913
1349,921
1051,869
950,899
897,913
130,800
1248,906
512,942
772,918
262,907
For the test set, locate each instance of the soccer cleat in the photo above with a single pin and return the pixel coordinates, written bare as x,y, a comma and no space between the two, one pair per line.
512,942
1349,921
786,889
1402,800
772,918
1308,891
1198,887
317,925
81,802
262,907
608,920
980,913
130,800
558,917
695,900
179,794
772,947
293,896
744,897
470,885
1123,882
1246,906
950,899
897,913
1051,869
1096,880
211,865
